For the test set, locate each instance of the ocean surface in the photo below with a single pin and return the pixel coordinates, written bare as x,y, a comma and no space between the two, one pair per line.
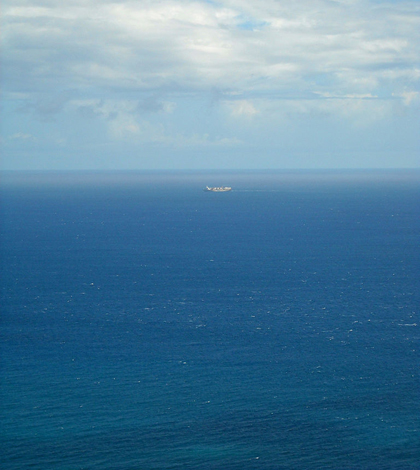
147,324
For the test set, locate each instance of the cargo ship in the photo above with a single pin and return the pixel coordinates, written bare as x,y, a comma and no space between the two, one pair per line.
220,189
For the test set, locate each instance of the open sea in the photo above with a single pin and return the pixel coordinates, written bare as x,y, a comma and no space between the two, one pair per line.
147,324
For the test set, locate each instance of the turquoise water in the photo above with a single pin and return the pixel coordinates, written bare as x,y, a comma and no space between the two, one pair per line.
147,324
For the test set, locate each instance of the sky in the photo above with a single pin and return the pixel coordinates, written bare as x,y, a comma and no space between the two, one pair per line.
229,84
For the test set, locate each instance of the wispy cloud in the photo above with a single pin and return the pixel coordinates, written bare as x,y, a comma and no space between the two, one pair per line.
21,136
354,96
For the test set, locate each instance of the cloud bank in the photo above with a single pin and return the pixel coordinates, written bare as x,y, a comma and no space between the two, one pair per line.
294,47
130,62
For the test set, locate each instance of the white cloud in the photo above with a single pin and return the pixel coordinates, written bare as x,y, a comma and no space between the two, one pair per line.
21,136
409,97
241,108
353,96
149,71
198,45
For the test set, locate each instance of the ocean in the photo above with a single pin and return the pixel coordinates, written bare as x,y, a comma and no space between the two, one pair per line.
147,324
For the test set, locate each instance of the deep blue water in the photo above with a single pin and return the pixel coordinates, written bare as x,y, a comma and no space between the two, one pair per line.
147,324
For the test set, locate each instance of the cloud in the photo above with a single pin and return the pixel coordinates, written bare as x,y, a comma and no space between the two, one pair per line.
353,96
242,108
46,106
197,45
410,97
92,109
125,122
199,140
126,127
197,73
21,136
153,104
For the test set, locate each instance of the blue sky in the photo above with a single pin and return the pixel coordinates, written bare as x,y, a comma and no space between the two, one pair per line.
232,84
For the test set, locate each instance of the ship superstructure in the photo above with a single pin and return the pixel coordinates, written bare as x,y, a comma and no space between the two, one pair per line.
219,189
